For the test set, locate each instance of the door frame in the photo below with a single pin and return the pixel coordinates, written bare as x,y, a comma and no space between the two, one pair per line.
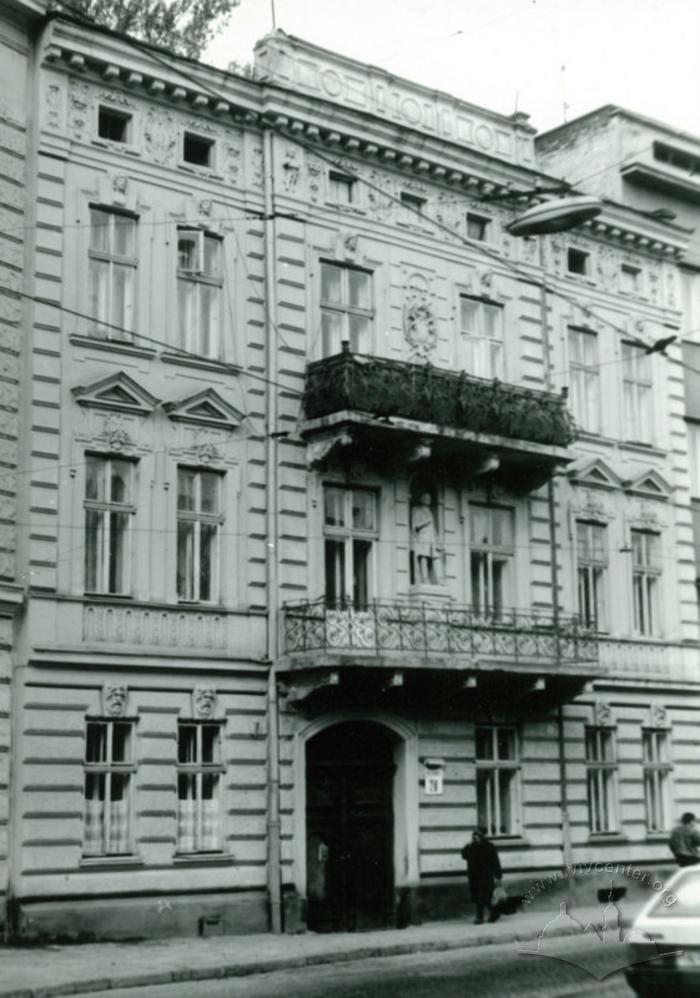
404,792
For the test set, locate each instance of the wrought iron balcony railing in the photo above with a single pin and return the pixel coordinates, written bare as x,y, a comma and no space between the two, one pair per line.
429,394
434,630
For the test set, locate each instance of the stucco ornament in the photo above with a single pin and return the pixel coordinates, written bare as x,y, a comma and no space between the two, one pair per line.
118,439
658,715
114,697
602,713
419,325
160,137
203,702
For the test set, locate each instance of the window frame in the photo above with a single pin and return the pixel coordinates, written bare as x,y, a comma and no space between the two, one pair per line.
470,342
484,221
491,552
127,119
635,273
105,327
581,373
638,402
199,769
192,282
646,616
198,518
347,534
573,253
604,774
107,508
337,180
108,768
596,586
494,766
190,134
411,208
660,770
344,309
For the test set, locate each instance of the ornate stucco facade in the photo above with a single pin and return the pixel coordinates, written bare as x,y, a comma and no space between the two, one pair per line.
297,452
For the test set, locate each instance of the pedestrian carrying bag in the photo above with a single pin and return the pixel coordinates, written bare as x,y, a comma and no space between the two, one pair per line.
498,897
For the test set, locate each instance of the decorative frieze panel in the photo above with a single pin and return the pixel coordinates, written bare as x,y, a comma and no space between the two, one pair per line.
132,625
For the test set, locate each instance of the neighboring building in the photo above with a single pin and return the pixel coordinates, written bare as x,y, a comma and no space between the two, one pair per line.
297,459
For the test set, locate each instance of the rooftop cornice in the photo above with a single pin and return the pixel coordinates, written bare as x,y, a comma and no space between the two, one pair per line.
608,111
625,227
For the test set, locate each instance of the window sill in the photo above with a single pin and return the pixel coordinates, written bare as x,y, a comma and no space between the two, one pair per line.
109,597
195,605
223,366
642,448
202,859
604,838
510,841
112,346
657,837
123,147
117,862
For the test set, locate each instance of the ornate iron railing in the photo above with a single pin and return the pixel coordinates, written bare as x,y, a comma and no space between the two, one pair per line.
433,630
388,388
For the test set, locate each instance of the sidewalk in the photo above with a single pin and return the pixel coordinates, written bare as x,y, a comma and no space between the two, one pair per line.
43,971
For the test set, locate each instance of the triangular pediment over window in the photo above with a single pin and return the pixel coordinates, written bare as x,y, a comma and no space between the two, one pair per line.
651,485
206,408
595,474
118,391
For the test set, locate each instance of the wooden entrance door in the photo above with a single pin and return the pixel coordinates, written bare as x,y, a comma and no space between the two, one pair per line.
350,829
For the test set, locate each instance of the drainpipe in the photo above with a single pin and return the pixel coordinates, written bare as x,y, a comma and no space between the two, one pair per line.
274,863
567,854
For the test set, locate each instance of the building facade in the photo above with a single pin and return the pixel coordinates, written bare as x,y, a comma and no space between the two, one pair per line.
351,521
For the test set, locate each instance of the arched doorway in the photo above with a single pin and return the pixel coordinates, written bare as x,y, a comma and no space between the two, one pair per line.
350,827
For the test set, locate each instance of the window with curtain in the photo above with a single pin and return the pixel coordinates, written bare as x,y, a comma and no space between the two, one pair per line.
350,536
637,393
108,774
199,775
497,779
112,273
592,571
657,779
491,557
109,509
346,308
199,523
601,777
646,581
199,291
584,378
480,337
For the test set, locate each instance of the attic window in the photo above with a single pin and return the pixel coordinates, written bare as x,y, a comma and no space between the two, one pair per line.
477,227
577,261
630,279
113,125
197,150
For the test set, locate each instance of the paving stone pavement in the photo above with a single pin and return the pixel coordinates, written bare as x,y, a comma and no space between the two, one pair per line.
47,971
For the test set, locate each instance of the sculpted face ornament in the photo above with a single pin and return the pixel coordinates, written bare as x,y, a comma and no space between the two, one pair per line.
114,697
204,702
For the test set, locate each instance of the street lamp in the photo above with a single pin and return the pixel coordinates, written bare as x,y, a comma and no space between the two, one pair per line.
557,215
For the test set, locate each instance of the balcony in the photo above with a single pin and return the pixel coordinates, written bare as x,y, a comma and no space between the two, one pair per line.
407,635
393,406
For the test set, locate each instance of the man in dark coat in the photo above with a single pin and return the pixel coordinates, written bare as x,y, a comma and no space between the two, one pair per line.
483,871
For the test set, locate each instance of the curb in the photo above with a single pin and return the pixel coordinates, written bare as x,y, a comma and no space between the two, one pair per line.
218,971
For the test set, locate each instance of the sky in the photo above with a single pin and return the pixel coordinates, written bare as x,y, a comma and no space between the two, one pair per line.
553,59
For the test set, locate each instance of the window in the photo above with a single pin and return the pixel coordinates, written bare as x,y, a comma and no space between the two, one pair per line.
108,768
601,769
478,227
646,579
636,373
197,150
340,188
199,521
657,776
350,532
411,207
115,126
584,378
199,770
112,272
497,780
630,279
109,506
481,337
677,157
199,285
577,261
491,557
346,308
592,554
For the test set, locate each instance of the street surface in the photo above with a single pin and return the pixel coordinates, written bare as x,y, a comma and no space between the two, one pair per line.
489,972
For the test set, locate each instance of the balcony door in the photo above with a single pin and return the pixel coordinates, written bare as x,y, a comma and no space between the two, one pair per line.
350,828
491,558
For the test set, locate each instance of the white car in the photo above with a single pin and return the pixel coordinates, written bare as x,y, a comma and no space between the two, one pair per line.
664,941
